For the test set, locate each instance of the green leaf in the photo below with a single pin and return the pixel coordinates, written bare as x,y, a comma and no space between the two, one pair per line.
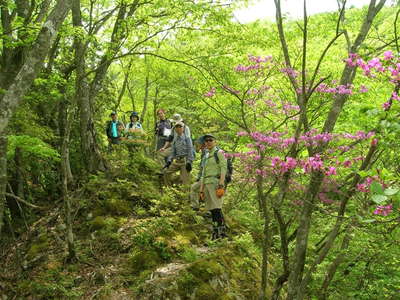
363,173
391,192
378,199
376,188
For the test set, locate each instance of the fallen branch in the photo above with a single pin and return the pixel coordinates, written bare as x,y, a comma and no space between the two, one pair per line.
23,201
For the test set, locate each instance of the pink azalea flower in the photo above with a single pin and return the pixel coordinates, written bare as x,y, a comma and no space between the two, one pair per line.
388,55
386,105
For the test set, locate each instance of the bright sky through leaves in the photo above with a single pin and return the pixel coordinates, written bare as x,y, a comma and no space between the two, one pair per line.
261,9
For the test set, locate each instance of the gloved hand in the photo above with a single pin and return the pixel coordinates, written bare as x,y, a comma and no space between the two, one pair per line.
188,167
220,192
167,164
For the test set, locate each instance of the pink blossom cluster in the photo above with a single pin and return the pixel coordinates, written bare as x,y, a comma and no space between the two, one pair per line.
363,89
243,68
313,163
287,107
386,105
210,93
377,65
324,198
310,138
383,210
283,166
290,71
340,89
242,133
395,96
364,187
259,59
360,135
269,103
352,59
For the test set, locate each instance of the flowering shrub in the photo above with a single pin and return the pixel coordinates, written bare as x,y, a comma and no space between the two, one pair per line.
270,154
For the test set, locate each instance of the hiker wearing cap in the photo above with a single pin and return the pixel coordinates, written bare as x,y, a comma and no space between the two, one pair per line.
186,130
113,130
195,187
134,127
212,180
134,132
182,156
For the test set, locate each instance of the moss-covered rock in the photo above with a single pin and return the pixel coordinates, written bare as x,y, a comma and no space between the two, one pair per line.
37,247
205,269
144,260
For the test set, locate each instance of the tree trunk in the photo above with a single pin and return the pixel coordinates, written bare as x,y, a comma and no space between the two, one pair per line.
262,201
63,130
33,63
64,190
145,98
334,265
3,178
19,179
92,158
302,236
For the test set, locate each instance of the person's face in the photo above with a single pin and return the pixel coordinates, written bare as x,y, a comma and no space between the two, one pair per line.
209,142
114,117
134,119
179,129
161,115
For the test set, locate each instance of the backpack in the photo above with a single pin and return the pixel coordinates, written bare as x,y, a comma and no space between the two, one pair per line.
229,169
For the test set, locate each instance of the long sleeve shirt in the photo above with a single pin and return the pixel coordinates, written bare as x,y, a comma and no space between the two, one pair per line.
182,146
162,127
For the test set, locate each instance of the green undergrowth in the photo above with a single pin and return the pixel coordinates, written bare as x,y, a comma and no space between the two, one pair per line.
125,229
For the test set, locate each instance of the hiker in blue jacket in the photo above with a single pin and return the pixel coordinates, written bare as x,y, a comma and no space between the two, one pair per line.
113,130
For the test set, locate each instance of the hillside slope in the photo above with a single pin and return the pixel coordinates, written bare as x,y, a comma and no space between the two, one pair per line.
133,242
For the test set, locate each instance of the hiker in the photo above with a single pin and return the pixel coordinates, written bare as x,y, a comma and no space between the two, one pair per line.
114,129
163,130
134,125
195,187
212,180
175,119
182,156
134,131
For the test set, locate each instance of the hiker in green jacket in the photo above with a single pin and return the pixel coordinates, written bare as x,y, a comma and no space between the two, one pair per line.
212,184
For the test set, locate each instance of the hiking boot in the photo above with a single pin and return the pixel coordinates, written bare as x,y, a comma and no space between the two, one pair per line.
219,232
207,215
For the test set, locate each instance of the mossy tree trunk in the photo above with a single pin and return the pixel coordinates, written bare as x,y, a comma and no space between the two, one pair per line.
22,81
33,63
64,187
3,178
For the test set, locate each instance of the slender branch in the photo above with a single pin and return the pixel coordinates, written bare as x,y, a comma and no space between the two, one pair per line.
23,201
